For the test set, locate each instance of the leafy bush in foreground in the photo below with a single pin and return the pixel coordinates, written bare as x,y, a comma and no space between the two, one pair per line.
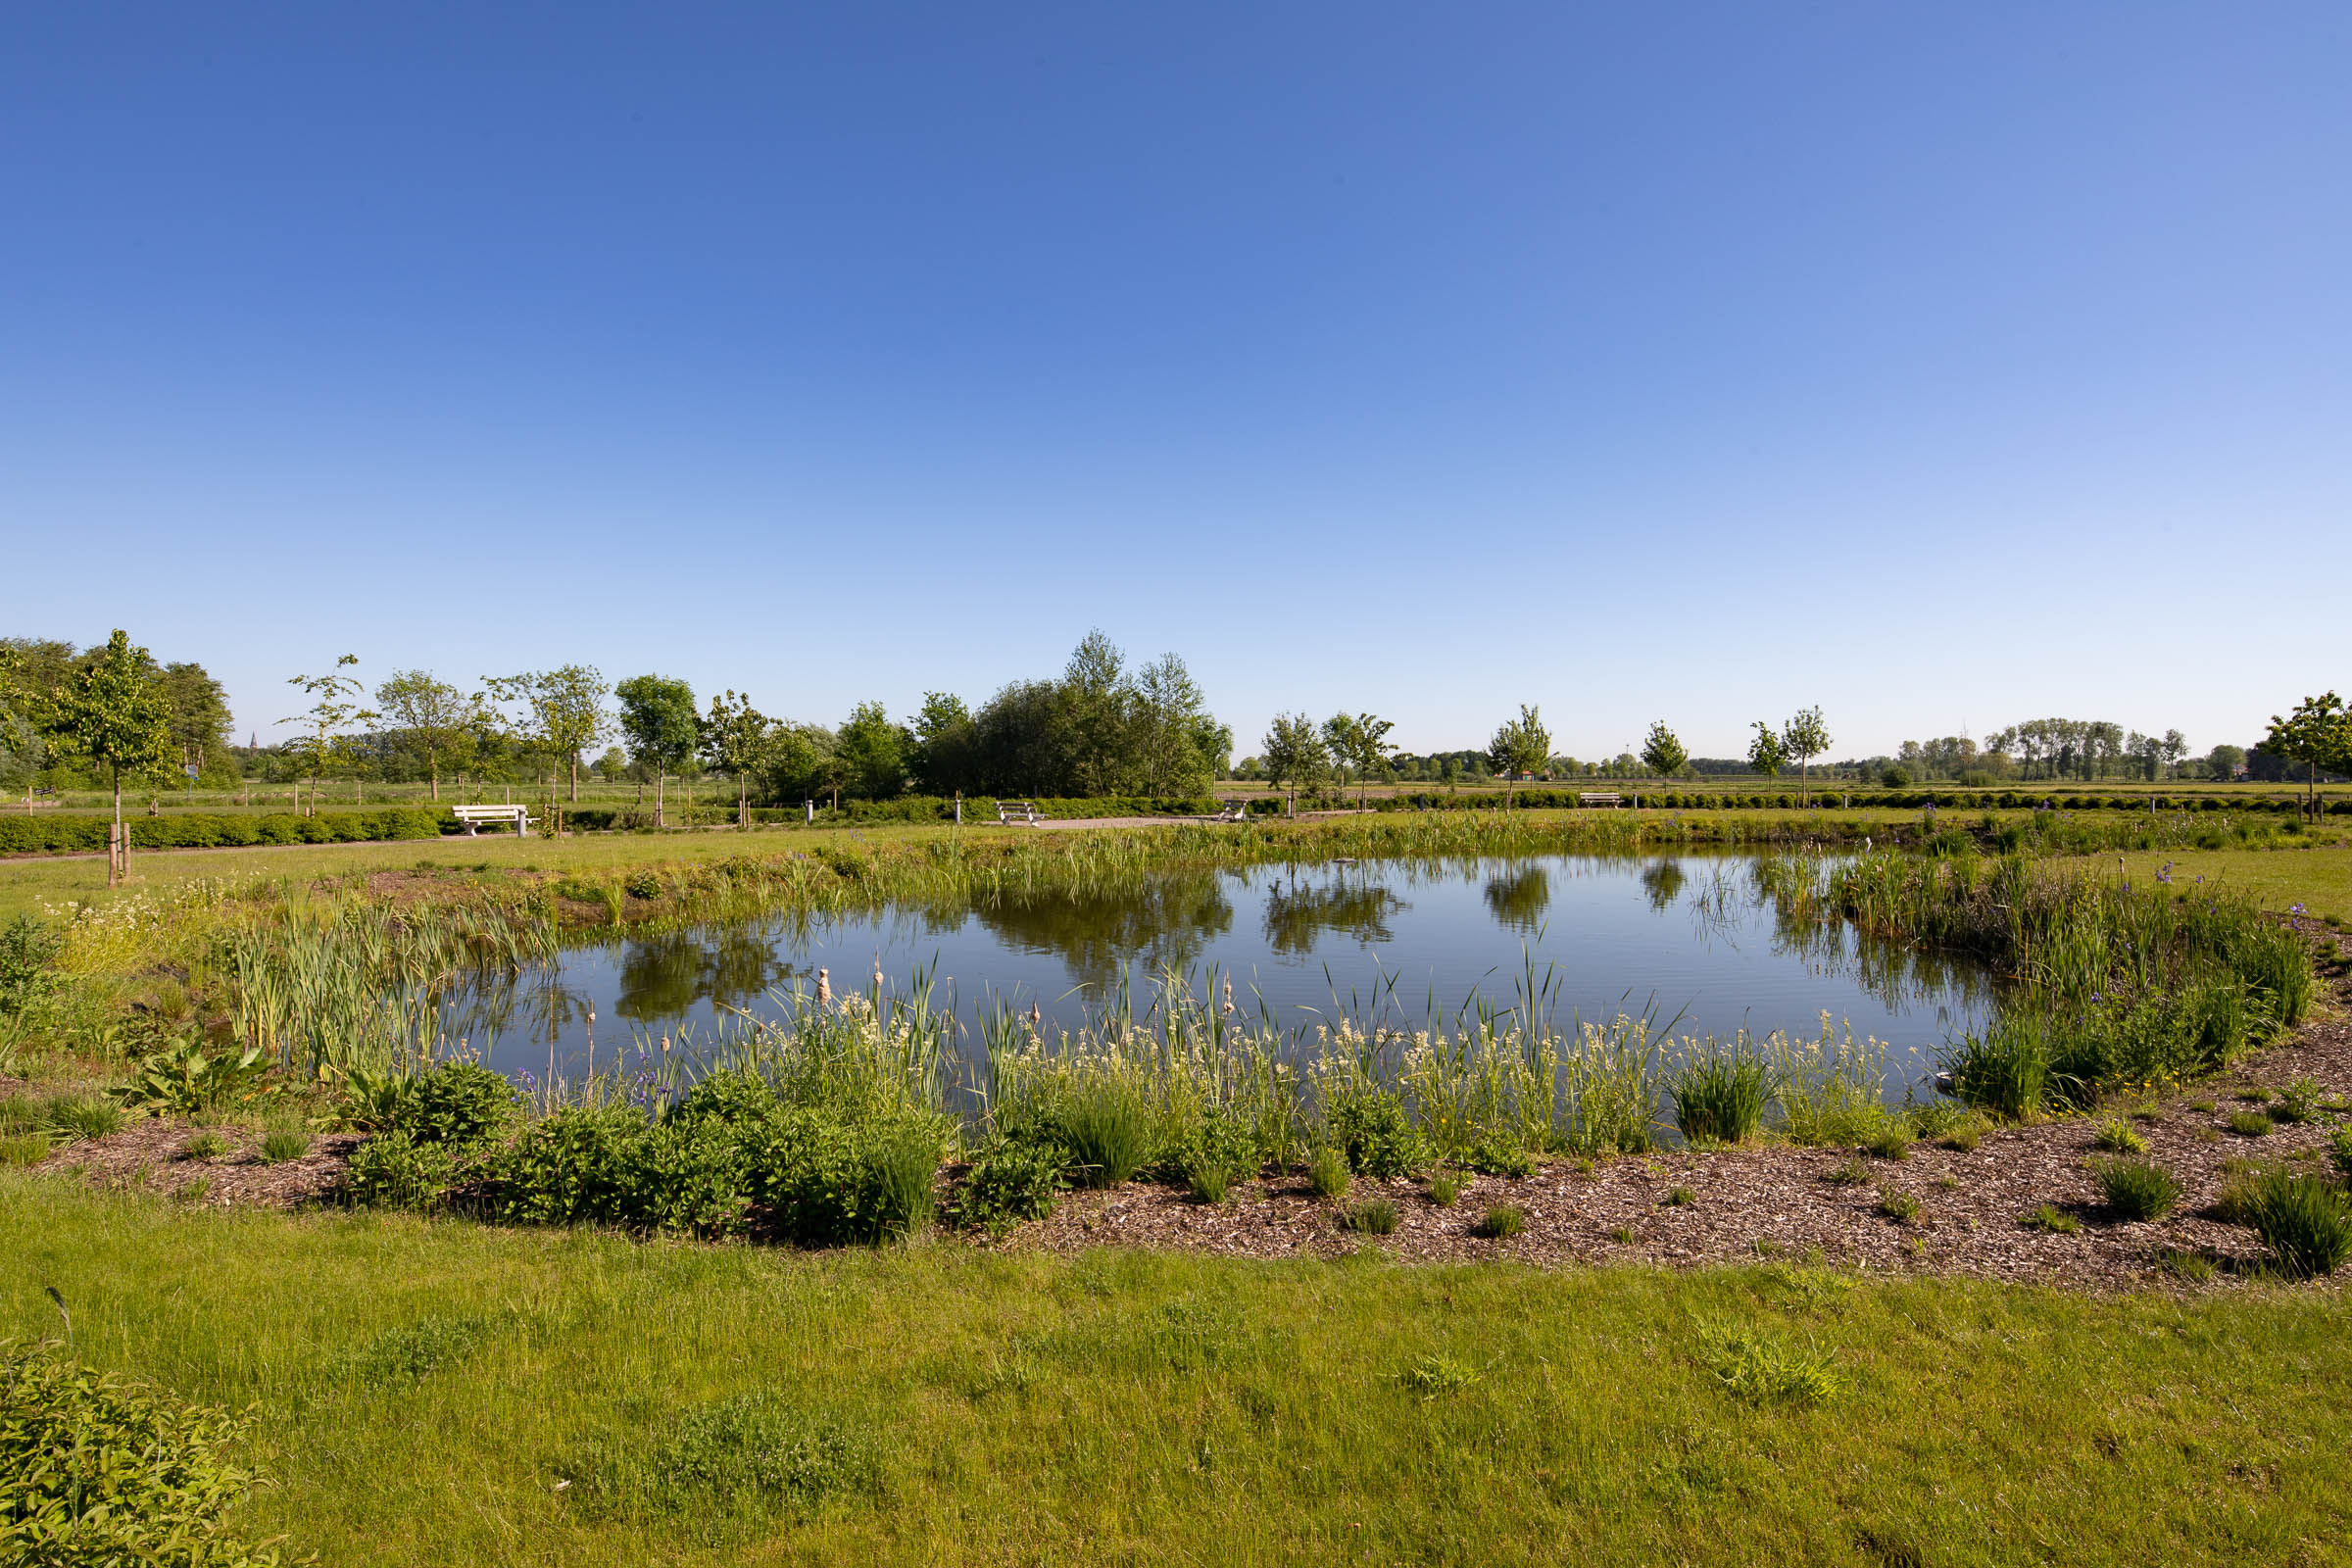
102,1471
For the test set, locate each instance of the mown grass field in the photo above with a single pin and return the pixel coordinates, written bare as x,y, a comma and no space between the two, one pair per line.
437,1393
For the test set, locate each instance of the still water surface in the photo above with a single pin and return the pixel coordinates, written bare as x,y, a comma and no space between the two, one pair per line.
1687,939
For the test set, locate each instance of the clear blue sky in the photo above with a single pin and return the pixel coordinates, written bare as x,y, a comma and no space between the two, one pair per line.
1942,365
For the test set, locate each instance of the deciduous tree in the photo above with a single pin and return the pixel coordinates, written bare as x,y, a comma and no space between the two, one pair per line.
1662,753
657,720
1520,746
114,712
332,715
1805,738
2319,735
738,738
435,719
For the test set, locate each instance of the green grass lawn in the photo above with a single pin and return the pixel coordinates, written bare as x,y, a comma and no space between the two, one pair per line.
2319,878
425,1393
28,882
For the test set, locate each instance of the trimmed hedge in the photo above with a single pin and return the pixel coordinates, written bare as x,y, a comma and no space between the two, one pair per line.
55,834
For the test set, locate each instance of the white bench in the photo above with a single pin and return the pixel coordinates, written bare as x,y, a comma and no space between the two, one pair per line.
475,816
1230,811
1600,798
1019,811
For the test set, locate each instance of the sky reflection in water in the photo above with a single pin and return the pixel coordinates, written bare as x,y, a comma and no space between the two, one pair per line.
1682,938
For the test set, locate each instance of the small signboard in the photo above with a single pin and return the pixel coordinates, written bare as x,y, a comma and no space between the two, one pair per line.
189,769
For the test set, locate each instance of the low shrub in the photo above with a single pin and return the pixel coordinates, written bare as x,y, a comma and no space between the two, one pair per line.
1371,1127
1375,1216
2250,1123
282,1144
392,1170
205,1145
1898,1205
2305,1221
1445,1188
1327,1172
1720,1094
1009,1183
1498,1155
2117,1137
1502,1221
1107,1129
2050,1217
2297,1103
1217,1151
101,1470
2004,1070
2136,1189
80,1116
1891,1141
2339,1154
460,1103
1678,1198
1849,1173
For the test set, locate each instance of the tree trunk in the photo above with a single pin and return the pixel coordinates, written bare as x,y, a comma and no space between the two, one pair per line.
659,779
575,778
743,803
120,836
434,766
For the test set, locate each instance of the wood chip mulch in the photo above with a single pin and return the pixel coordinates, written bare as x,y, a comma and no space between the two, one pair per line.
1734,1204
153,1155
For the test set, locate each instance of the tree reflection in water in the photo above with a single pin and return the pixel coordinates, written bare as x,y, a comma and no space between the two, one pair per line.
1520,897
1662,883
1168,921
664,976
1296,916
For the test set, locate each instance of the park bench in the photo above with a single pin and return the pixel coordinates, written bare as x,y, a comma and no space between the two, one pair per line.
1232,811
1600,798
1018,812
475,816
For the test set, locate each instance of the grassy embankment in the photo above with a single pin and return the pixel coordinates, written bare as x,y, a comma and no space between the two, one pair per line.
428,1390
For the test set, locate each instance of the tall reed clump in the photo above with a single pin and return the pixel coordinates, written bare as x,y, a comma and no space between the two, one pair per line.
1720,1092
328,987
2110,984
1831,1087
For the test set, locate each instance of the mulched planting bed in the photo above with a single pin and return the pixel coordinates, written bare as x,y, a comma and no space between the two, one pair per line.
152,1154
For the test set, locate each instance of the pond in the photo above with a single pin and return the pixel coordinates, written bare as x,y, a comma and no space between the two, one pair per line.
1693,941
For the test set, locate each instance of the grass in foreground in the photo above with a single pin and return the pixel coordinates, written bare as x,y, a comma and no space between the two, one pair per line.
451,1394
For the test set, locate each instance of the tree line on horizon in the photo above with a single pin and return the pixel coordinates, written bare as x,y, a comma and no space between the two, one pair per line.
1103,727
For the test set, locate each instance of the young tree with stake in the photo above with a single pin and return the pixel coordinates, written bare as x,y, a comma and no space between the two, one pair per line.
438,719
1805,738
1662,753
332,714
1294,752
1520,746
656,717
737,738
115,713
2319,735
1764,753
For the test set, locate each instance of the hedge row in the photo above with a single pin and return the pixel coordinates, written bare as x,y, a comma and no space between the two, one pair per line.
1855,800
55,834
